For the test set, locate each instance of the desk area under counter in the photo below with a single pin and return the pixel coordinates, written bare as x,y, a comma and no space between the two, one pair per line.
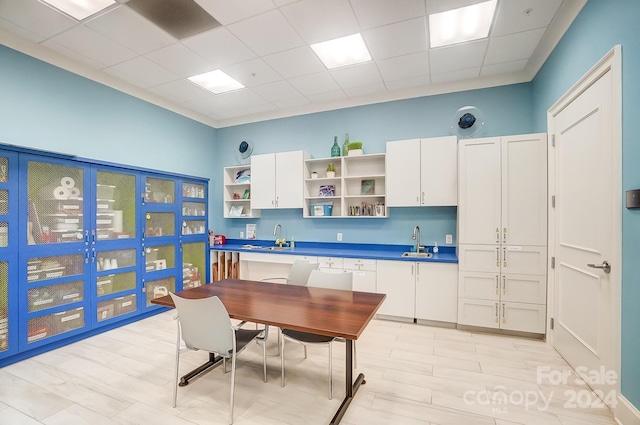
418,289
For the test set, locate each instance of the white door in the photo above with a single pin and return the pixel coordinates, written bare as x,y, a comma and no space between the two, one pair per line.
439,171
524,190
289,179
263,181
403,173
397,279
479,191
587,209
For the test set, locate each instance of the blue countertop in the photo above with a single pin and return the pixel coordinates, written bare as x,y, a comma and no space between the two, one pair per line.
446,254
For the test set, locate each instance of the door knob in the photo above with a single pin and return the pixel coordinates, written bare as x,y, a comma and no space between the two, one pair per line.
605,266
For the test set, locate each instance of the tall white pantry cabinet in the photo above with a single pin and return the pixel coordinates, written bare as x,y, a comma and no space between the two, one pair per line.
502,232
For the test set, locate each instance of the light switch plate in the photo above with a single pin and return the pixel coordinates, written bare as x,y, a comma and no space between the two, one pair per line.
449,239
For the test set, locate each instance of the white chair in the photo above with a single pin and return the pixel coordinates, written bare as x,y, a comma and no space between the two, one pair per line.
318,279
298,275
204,324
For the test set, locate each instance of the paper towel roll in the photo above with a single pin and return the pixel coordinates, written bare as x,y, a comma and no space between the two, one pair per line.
61,193
74,192
67,182
117,220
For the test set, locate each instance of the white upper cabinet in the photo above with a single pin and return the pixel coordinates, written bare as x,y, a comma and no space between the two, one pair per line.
422,172
503,186
277,180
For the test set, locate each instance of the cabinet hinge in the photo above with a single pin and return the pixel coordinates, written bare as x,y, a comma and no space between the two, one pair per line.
553,201
551,323
553,140
553,262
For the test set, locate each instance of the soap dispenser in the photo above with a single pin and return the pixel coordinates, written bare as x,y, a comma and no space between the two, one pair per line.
435,248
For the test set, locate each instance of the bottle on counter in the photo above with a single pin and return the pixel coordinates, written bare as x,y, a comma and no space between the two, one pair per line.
335,149
345,146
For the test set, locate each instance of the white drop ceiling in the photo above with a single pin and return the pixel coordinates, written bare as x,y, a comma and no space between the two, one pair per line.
264,44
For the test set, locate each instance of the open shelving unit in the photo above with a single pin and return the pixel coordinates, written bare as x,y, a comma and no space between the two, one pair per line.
358,192
238,206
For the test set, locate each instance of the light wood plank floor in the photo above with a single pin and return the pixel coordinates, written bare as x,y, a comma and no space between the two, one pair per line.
415,375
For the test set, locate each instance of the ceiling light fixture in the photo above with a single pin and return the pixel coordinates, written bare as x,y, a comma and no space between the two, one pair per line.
460,25
216,82
343,51
79,9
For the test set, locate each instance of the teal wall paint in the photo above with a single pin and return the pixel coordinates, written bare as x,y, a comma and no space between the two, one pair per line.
600,26
45,107
507,110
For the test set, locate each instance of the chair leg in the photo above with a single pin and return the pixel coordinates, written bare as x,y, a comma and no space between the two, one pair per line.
355,356
282,361
233,387
224,365
305,350
330,371
264,358
175,386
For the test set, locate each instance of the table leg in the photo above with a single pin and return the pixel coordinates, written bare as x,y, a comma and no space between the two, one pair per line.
350,386
213,362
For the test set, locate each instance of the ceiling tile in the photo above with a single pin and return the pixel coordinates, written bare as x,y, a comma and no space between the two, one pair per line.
277,91
437,6
460,74
265,107
408,83
210,104
180,60
181,91
35,17
252,73
407,66
291,103
357,75
130,29
512,16
375,13
281,3
460,56
321,20
397,39
92,45
72,54
365,90
295,62
267,33
513,47
229,11
504,68
327,97
315,83
21,32
242,98
143,70
219,47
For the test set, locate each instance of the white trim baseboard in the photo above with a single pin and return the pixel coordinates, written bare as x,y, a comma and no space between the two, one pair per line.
626,413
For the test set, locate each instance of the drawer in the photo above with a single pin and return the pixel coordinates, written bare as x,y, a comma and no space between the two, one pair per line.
330,262
359,264
266,257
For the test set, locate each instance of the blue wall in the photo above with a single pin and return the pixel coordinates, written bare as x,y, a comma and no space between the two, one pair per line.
601,25
45,107
507,110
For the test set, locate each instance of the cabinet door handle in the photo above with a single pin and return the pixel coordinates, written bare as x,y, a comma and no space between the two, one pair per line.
497,285
497,320
504,285
497,257
412,269
504,314
504,257
497,235
86,237
422,198
504,235
417,269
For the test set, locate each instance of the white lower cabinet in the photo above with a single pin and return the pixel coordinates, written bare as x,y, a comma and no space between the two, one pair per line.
513,316
420,290
364,273
437,292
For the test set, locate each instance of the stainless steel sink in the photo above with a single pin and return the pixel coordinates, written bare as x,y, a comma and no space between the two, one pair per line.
252,247
276,248
417,254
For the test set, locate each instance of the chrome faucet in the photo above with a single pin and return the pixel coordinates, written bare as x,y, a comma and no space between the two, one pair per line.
416,237
279,240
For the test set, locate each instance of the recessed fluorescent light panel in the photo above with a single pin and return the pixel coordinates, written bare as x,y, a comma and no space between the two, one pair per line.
216,81
343,51
80,9
460,25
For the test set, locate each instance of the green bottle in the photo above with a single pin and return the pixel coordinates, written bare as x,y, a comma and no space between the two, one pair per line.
345,146
335,149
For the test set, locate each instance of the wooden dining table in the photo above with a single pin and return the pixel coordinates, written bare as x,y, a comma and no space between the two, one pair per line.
330,312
